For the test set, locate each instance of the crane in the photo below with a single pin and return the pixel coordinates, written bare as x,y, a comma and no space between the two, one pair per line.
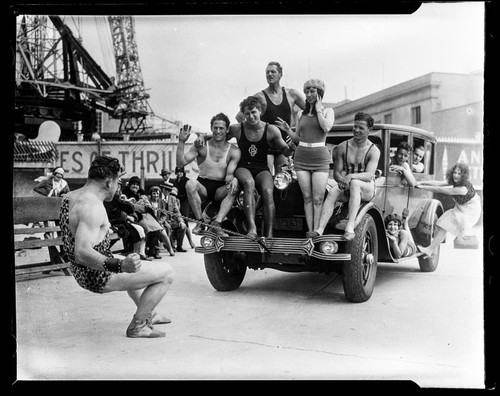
57,78
132,107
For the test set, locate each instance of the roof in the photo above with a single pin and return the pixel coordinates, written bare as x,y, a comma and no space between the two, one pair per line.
395,127
34,151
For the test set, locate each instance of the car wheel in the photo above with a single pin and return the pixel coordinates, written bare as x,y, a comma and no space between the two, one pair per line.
225,270
360,272
426,263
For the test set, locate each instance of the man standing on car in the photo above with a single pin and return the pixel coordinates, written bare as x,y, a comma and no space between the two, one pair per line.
277,102
217,160
354,170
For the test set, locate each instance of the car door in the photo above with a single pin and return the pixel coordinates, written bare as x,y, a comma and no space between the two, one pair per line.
397,190
418,197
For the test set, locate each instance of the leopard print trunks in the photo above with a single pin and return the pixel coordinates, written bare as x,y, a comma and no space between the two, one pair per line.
88,278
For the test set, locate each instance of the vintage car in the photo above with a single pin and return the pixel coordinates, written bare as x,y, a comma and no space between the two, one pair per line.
227,258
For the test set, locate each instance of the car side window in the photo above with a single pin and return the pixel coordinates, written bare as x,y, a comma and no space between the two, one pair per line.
375,138
396,140
418,157
429,158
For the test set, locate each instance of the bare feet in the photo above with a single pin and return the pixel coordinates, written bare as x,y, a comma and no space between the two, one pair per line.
426,251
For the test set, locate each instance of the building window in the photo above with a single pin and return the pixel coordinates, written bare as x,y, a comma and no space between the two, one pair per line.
415,115
388,118
98,123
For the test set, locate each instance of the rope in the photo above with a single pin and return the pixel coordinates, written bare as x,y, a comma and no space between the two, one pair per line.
260,240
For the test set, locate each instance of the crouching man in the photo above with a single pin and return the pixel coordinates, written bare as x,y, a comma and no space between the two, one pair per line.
85,226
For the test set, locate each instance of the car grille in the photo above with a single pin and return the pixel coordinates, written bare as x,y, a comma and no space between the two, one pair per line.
286,246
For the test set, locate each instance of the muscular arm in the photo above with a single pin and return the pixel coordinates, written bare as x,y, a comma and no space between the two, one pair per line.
234,158
181,158
405,171
231,180
338,165
276,141
298,99
87,235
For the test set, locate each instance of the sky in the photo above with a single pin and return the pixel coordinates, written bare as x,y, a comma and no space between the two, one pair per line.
197,66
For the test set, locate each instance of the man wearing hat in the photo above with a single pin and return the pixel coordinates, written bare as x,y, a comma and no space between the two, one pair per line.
277,102
179,181
165,174
174,218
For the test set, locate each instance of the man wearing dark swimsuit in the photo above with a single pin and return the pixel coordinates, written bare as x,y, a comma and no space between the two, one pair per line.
85,227
356,161
277,102
255,138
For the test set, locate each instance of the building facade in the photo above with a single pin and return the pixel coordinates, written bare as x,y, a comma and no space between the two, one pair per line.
449,105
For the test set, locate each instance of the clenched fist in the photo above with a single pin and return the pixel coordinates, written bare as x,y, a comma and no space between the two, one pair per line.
131,263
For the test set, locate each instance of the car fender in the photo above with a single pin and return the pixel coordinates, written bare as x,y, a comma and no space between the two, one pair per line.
423,219
383,244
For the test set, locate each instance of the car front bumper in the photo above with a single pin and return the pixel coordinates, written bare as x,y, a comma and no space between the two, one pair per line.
273,246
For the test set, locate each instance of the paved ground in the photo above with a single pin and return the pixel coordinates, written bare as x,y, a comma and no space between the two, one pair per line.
424,327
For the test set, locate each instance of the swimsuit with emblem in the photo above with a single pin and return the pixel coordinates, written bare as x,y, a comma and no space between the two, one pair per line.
253,154
88,278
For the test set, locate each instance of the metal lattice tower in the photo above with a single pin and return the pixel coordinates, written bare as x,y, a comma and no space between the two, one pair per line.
56,78
133,107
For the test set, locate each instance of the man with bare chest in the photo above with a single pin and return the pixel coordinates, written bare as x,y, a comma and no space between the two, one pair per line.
355,165
84,228
276,102
217,160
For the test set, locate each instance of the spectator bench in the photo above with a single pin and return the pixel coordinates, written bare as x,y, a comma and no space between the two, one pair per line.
40,215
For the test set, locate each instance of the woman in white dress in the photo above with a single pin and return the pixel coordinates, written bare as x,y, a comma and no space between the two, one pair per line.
466,212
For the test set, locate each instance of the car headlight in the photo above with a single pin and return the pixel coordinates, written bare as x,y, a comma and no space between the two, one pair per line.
282,180
207,241
328,247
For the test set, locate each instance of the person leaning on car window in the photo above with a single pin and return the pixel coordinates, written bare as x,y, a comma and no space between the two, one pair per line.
417,164
399,164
